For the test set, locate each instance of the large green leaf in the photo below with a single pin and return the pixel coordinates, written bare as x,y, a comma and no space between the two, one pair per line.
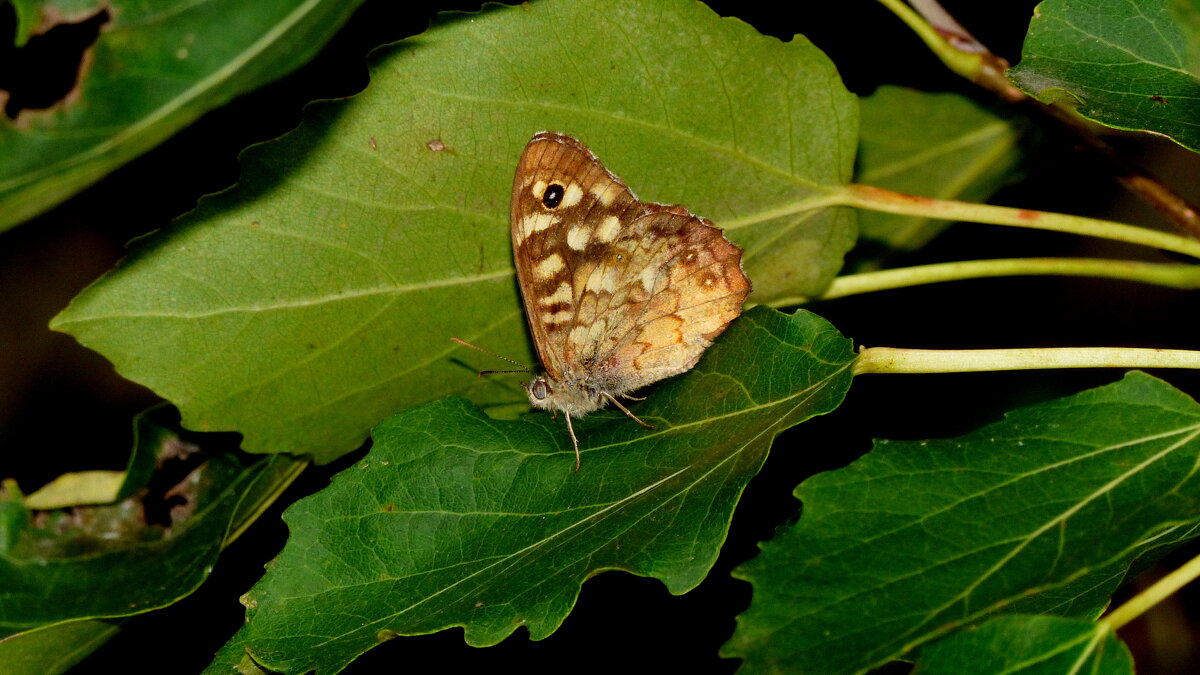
456,519
1028,645
1129,64
155,68
53,562
1040,513
321,295
933,145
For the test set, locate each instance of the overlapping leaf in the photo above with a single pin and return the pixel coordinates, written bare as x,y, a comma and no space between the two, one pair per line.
1042,512
934,145
321,295
156,67
1129,64
456,519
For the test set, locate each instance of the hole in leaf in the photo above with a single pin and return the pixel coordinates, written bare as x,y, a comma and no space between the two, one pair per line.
171,493
43,71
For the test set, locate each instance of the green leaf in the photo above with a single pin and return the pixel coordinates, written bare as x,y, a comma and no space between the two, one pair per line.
1042,512
321,295
1030,645
52,562
157,66
55,648
1127,64
933,145
456,519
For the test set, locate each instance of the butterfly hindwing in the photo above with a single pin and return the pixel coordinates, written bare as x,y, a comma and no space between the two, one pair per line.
556,236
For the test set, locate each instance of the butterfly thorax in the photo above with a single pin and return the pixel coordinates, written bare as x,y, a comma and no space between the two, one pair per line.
574,396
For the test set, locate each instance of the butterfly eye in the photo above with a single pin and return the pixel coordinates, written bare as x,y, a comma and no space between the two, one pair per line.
553,196
539,389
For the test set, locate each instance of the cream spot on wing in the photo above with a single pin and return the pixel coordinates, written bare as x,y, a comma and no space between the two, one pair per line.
597,330
578,335
587,308
662,332
649,277
548,267
538,189
536,222
572,195
606,282
578,236
608,229
561,294
557,317
604,192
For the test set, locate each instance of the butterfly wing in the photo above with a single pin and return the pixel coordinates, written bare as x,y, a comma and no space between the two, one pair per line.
617,291
551,239
655,301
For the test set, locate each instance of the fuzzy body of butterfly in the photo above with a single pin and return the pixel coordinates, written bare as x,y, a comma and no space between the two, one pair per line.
619,293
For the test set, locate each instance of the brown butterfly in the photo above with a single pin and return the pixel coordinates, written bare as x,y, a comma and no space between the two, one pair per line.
618,293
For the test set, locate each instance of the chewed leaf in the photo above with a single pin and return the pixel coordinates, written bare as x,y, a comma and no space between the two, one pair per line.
146,551
156,66
456,519
319,296
1040,513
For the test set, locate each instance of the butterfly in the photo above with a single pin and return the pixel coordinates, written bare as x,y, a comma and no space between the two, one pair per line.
618,293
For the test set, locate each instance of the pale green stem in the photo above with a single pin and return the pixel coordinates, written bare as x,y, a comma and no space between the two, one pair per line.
1173,275
1160,590
879,199
962,63
893,360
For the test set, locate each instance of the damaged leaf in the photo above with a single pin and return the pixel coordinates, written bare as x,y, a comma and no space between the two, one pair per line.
147,550
156,67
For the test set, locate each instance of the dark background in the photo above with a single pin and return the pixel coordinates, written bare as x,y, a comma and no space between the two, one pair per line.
62,408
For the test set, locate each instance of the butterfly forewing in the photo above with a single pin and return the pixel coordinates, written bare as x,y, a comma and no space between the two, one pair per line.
551,244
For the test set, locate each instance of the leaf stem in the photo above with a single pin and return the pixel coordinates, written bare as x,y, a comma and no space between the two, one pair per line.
1160,590
962,63
891,360
879,199
1172,275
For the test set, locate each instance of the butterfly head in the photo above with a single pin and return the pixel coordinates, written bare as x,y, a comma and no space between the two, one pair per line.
572,397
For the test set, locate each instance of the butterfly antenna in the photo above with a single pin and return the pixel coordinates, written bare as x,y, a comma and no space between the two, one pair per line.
524,368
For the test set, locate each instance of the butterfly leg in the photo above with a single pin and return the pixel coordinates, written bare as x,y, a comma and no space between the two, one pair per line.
626,411
574,441
632,398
